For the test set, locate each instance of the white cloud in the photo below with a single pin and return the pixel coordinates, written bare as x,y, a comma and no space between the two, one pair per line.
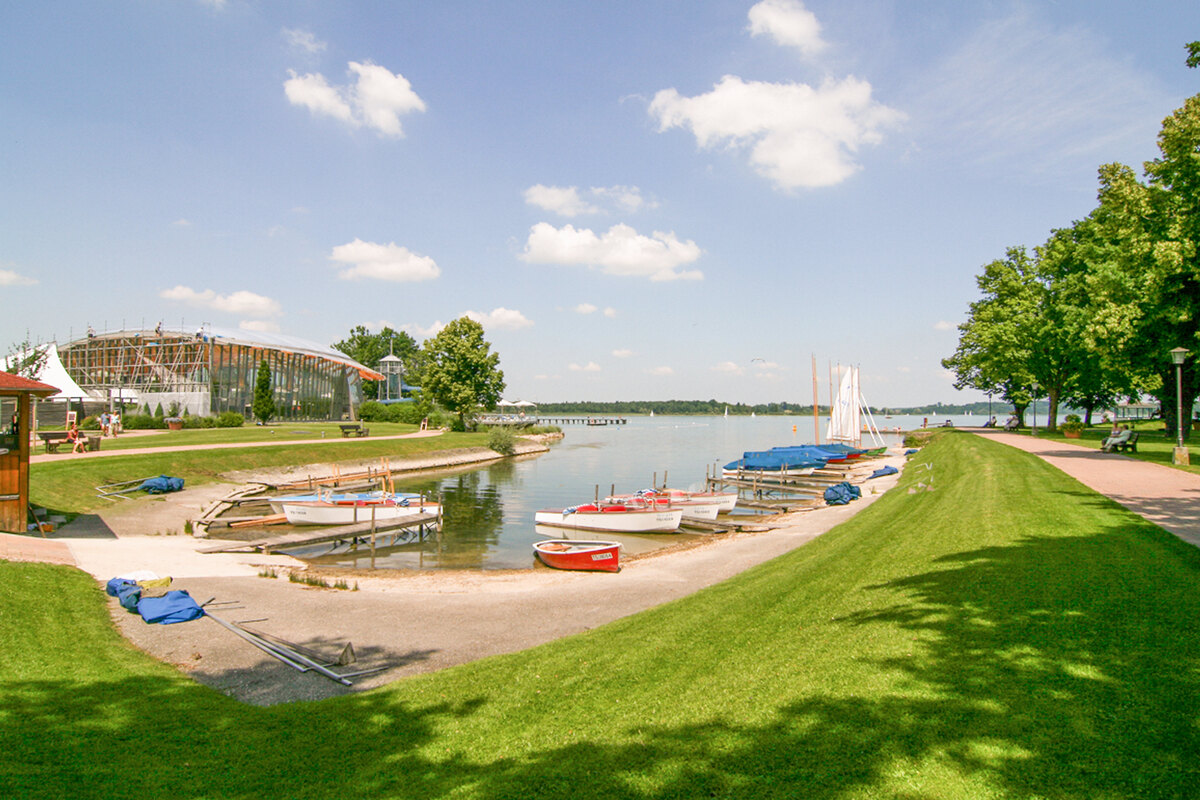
300,39
622,353
797,135
625,198
591,366
619,251
943,325
421,333
242,303
610,312
728,367
789,23
567,201
1020,91
500,319
586,308
182,223
10,277
314,92
661,371
219,5
761,364
564,201
376,99
259,325
385,262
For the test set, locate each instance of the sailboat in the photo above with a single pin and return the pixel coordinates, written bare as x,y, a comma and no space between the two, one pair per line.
846,415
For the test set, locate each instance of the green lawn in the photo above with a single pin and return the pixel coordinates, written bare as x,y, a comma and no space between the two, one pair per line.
1008,634
67,485
1153,444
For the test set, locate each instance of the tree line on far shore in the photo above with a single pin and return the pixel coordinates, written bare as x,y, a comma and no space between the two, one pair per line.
1092,315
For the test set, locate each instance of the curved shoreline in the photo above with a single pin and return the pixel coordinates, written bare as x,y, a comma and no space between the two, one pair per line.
390,618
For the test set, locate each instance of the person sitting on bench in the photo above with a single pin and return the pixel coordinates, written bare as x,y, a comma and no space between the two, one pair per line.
76,439
1113,440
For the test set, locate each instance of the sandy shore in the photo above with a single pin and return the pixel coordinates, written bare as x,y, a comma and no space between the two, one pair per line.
410,622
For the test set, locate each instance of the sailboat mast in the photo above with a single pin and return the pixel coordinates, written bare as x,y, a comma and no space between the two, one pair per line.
816,412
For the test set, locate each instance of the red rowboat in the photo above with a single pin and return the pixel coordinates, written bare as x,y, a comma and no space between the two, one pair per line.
578,554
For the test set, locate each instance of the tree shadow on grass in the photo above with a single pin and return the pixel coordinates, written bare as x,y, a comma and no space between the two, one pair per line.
1048,667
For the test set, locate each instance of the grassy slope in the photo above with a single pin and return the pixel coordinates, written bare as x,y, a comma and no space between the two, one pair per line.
1009,634
68,485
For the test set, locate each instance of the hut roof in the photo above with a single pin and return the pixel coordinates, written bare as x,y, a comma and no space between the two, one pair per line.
11,384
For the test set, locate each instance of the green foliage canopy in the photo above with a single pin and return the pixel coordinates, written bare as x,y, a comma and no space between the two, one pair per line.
461,373
369,348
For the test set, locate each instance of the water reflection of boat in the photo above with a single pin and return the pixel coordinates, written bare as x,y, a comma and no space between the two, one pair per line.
621,517
601,556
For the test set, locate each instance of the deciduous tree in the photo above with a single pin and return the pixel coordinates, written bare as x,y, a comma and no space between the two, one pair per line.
461,373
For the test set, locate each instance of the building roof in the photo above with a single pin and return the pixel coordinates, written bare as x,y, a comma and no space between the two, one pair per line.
14,384
272,341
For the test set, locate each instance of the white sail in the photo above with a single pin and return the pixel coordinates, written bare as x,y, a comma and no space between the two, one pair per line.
845,417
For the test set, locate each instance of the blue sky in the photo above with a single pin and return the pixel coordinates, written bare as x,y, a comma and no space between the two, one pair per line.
638,200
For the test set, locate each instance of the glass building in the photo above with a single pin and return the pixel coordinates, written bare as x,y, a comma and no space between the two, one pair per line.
210,371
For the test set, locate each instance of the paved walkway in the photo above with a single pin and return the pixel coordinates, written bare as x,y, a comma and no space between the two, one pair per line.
1165,496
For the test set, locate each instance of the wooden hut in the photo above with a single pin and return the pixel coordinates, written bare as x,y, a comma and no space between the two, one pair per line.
15,447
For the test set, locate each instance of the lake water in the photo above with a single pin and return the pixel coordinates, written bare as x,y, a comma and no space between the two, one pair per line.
488,512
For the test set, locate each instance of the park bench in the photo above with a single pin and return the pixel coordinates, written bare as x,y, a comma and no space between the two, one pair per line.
353,429
56,439
1129,445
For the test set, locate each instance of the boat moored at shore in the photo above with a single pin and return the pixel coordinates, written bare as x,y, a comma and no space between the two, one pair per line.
596,556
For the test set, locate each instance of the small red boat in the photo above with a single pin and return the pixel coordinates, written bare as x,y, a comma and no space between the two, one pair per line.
578,554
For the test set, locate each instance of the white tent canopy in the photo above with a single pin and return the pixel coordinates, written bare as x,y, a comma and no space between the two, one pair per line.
55,374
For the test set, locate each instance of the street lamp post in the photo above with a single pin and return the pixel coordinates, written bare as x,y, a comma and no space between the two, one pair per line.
1179,355
1035,395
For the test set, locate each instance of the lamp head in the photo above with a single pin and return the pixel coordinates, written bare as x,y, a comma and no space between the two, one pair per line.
1179,355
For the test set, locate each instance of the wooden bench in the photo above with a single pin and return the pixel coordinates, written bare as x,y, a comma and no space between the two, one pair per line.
353,429
56,439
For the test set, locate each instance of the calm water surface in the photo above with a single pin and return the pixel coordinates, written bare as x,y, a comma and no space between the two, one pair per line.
488,512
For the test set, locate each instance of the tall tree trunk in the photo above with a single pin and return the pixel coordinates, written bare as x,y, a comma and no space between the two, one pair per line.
1052,422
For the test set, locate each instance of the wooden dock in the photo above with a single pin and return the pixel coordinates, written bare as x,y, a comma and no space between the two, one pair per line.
361,532
594,421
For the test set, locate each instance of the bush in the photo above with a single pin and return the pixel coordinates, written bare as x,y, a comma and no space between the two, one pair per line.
409,413
374,411
91,423
141,422
199,422
230,419
503,441
1072,424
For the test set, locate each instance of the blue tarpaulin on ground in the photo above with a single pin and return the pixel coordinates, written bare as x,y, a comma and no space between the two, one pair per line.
841,494
126,591
161,485
879,473
174,606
